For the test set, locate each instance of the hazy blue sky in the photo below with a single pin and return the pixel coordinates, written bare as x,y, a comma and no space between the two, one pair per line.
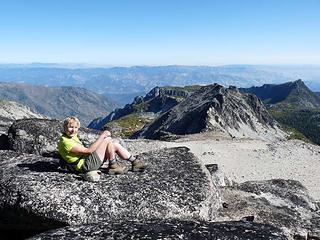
160,32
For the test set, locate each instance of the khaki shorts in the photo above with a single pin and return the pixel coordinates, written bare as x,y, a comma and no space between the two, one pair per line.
91,163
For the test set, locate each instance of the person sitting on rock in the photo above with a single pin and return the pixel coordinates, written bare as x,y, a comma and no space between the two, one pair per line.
81,159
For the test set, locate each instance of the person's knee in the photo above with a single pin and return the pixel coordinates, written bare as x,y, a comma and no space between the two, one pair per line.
110,145
108,139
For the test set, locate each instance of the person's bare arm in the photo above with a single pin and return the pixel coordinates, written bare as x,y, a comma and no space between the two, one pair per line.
79,149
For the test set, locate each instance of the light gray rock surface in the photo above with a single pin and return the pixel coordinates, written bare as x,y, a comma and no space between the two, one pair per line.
35,196
9,112
13,110
168,229
282,203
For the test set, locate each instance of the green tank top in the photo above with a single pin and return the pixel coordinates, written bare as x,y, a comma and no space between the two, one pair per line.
64,147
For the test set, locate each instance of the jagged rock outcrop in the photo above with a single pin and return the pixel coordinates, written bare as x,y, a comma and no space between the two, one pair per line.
34,195
4,124
13,110
281,203
158,100
215,108
40,136
168,229
10,111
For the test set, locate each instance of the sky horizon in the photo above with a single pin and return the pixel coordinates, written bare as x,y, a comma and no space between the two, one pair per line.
166,32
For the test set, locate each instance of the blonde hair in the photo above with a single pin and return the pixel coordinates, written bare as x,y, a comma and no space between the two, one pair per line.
68,121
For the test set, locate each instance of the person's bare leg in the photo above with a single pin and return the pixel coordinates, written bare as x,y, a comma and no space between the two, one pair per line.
102,150
121,151
106,151
137,165
110,151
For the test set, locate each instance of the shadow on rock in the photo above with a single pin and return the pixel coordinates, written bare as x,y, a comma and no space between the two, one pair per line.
41,166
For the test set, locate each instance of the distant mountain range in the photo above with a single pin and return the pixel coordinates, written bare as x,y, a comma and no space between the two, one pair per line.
121,84
58,91
58,102
172,110
294,105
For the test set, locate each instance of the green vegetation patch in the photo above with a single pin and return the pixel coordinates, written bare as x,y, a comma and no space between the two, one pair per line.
128,125
294,133
300,124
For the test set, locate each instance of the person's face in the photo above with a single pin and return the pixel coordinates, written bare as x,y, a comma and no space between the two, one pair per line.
72,129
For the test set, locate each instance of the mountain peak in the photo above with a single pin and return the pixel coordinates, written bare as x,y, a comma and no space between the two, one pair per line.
294,93
215,108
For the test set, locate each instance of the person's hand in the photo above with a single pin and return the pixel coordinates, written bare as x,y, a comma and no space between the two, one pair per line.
106,134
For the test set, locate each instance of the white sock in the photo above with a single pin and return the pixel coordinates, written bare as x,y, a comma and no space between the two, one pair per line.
131,158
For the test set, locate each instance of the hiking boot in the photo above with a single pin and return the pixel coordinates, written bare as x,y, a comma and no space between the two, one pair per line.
138,166
117,168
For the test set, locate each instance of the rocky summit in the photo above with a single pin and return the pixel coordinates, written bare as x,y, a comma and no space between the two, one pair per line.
13,111
215,108
176,197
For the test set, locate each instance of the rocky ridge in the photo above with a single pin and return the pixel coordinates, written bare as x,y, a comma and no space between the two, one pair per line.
215,108
158,100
